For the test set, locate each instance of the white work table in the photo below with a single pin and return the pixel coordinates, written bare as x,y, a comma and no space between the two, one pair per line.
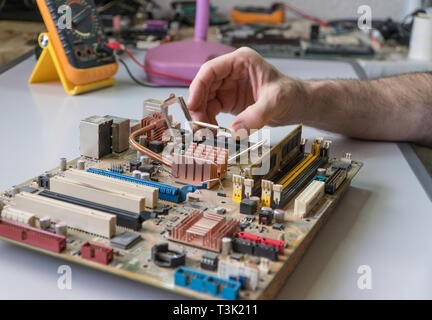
384,220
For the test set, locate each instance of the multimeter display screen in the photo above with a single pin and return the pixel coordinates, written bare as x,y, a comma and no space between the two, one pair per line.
81,32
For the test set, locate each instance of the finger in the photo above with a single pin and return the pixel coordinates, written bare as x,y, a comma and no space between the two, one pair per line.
213,109
209,77
200,115
253,117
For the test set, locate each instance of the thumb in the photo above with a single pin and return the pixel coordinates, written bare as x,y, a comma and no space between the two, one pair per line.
253,117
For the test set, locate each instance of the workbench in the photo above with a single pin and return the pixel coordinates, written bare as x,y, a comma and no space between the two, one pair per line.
383,222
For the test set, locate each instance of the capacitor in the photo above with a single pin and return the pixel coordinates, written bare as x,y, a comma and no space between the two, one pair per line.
226,246
136,174
44,222
321,172
145,176
139,154
63,164
80,164
279,215
220,210
61,228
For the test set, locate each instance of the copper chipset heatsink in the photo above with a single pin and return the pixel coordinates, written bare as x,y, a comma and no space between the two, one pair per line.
204,230
157,132
200,163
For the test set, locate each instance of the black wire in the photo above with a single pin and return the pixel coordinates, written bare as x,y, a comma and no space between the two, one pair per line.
144,84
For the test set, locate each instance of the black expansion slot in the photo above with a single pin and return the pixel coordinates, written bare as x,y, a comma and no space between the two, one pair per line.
125,218
301,181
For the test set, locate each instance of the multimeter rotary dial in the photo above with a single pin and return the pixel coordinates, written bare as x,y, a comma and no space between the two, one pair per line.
80,31
84,23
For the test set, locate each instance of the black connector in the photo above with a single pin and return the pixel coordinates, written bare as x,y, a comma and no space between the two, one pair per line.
165,258
209,261
243,246
125,218
248,206
156,146
265,217
134,165
335,180
252,248
266,251
43,182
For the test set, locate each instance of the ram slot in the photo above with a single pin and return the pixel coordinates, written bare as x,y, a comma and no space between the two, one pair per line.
308,198
301,181
149,193
104,196
285,182
81,218
125,218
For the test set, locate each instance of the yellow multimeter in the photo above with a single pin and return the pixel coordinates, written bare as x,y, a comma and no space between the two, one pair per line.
76,49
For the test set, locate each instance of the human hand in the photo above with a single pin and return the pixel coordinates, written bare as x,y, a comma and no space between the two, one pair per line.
244,84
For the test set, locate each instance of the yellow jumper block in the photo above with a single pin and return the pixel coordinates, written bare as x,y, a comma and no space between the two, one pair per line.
237,188
266,193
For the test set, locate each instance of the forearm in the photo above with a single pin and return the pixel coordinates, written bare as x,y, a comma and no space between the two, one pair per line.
396,109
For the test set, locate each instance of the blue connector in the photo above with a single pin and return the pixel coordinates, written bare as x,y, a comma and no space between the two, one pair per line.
201,282
115,170
166,192
320,178
241,279
190,188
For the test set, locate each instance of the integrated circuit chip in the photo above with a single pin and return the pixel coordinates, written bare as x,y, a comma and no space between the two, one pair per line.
28,189
125,240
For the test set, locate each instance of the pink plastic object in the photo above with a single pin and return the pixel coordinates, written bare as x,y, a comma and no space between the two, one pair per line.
184,58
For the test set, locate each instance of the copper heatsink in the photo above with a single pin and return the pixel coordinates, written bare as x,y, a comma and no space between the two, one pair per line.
200,163
204,230
160,126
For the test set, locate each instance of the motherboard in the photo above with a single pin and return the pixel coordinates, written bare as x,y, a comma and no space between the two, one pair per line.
197,209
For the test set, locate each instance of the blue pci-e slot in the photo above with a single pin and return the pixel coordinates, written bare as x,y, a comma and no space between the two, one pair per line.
166,192
201,282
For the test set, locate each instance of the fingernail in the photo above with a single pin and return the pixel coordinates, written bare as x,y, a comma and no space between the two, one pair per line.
240,131
238,126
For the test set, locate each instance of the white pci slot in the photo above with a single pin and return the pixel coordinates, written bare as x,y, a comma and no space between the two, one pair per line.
78,217
13,214
129,202
150,194
308,198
